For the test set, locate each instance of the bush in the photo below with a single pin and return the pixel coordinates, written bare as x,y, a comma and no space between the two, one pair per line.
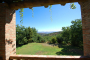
49,41
63,42
30,41
59,39
53,40
42,41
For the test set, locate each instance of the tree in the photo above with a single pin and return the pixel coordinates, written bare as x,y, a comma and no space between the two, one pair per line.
20,34
73,34
66,34
25,40
34,34
30,34
76,33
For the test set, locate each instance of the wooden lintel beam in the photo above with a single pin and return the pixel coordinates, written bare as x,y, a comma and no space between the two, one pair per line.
36,3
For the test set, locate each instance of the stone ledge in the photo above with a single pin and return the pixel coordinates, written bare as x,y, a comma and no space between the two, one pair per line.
49,57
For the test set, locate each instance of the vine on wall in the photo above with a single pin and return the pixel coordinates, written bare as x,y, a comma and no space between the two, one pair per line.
50,12
72,6
21,15
32,12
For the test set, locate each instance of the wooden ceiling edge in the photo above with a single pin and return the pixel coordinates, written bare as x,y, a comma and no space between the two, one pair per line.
25,4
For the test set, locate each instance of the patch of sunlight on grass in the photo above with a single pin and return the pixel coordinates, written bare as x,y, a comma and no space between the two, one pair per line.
40,49
34,48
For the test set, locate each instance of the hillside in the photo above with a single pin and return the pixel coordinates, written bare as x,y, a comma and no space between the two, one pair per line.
50,34
53,34
42,34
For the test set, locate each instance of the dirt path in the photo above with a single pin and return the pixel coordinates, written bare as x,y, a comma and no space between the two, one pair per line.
52,45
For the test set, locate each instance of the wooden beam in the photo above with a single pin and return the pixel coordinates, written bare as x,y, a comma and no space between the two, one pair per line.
37,3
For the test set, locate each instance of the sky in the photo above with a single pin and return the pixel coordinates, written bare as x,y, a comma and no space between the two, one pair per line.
61,17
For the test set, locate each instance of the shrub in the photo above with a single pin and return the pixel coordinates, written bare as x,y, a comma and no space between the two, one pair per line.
49,41
42,41
53,40
30,40
63,42
59,39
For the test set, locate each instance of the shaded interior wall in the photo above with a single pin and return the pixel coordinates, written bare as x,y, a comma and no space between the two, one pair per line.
7,32
85,12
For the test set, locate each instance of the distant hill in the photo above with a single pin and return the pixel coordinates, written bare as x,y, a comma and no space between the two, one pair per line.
44,33
49,33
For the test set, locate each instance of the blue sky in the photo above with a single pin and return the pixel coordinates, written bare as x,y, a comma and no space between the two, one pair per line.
61,15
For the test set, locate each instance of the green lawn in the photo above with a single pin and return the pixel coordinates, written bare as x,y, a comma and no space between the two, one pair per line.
46,49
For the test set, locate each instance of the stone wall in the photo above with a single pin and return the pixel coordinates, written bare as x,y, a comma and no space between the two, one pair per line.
7,32
85,12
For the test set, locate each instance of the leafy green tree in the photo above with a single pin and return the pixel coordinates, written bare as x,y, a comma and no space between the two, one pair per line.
34,34
73,34
19,34
76,33
30,34
66,34
26,33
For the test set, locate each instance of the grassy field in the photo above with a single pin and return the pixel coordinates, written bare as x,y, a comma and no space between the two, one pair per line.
47,49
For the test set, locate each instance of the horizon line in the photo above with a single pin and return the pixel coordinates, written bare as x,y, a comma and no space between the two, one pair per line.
49,31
